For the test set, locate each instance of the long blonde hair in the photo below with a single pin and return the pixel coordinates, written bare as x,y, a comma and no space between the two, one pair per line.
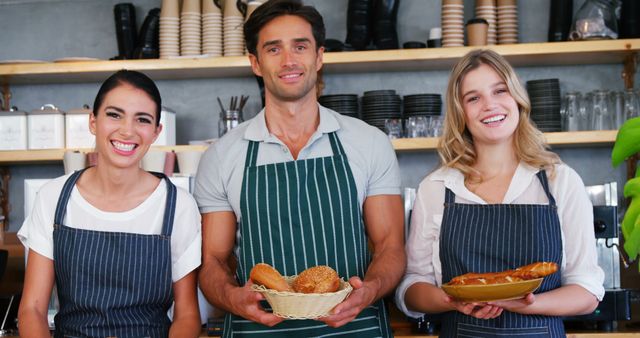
456,148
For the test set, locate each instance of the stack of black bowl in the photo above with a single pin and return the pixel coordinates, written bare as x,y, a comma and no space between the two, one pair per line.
380,105
545,104
384,20
345,104
422,105
358,23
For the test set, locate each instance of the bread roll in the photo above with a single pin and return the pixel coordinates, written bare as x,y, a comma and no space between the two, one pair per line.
270,278
318,279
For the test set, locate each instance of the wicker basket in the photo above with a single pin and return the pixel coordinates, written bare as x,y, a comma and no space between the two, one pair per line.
293,305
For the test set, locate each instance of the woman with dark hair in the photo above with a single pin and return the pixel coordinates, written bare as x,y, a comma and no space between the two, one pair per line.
499,200
120,243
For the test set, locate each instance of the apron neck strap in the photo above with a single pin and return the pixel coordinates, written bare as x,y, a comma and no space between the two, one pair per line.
61,207
542,176
170,204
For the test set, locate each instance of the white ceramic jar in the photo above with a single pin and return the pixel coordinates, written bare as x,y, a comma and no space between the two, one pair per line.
13,130
46,128
76,125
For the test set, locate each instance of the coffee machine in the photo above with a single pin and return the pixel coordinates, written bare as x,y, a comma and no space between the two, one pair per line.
616,303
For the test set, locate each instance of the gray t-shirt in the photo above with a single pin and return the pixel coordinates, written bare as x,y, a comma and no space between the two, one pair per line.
370,154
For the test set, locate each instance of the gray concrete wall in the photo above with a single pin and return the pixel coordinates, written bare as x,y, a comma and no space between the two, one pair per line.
51,29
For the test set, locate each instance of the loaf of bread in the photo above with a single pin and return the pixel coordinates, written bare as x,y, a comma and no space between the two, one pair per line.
270,278
318,279
527,272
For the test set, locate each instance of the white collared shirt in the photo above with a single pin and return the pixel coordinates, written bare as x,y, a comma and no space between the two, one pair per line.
580,260
370,154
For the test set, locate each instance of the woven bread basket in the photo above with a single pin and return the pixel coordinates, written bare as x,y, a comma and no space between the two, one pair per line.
293,305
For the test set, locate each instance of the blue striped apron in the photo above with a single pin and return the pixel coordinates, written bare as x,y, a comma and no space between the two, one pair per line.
112,283
300,214
496,237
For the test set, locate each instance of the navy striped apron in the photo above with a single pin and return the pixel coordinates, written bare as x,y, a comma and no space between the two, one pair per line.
300,214
112,283
496,237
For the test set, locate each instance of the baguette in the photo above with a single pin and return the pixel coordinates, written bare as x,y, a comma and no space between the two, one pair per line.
527,272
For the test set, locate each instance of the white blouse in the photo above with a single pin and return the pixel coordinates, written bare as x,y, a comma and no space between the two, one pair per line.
580,260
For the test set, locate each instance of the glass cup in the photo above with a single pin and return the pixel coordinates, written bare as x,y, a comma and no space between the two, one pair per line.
570,111
436,125
417,126
601,115
229,119
393,128
631,105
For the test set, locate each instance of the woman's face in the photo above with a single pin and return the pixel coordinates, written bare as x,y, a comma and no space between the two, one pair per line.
125,126
491,113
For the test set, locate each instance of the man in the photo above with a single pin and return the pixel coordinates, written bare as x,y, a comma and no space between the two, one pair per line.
297,186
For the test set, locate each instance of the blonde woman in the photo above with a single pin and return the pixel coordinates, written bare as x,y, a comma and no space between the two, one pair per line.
499,200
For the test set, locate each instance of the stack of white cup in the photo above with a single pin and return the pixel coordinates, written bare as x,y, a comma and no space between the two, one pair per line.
233,24
169,29
211,29
507,21
486,9
190,28
452,23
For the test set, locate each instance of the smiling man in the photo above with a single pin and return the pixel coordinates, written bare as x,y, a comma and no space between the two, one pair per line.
298,186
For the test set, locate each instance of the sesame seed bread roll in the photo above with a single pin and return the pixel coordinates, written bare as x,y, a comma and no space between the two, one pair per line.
318,279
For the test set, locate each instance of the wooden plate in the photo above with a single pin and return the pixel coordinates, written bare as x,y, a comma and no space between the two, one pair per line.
492,292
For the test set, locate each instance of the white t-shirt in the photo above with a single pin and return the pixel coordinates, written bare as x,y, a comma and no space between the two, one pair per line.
186,240
580,259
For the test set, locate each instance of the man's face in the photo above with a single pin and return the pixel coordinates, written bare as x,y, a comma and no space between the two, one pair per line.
287,59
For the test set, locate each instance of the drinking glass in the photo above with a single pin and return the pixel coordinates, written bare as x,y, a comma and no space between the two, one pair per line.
418,126
601,114
631,104
570,111
393,128
618,109
436,126
229,119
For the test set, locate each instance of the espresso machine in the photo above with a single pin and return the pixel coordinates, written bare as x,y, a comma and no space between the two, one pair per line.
616,304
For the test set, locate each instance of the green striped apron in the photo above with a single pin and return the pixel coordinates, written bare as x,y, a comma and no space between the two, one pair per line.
300,214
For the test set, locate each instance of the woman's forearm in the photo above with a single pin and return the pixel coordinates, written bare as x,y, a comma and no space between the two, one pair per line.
567,300
32,324
185,327
426,298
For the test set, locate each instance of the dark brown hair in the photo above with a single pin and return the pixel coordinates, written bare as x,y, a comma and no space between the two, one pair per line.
276,8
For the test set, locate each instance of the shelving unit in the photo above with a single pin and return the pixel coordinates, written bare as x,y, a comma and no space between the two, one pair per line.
581,138
529,54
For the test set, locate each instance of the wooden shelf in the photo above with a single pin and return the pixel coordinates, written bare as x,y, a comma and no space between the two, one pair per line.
576,138
525,54
579,138
55,155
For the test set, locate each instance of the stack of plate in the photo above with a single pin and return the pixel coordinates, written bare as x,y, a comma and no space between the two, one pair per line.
190,28
545,104
211,29
486,9
169,29
507,21
380,105
452,23
233,23
345,104
422,105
